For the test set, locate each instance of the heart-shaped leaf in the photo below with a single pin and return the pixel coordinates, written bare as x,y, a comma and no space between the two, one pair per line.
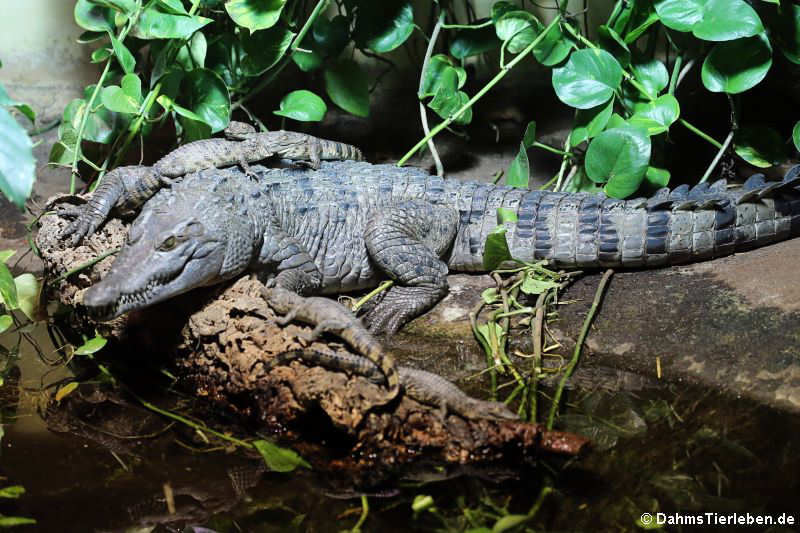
589,78
619,158
302,105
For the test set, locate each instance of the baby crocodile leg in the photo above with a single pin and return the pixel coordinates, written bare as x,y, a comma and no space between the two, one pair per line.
407,242
327,315
125,189
425,387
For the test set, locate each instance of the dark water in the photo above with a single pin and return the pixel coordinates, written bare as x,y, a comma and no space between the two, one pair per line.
671,450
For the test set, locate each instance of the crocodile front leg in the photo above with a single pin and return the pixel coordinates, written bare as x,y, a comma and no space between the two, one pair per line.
124,188
296,270
407,242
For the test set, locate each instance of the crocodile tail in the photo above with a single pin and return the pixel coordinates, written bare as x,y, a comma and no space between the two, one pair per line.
674,226
336,151
343,362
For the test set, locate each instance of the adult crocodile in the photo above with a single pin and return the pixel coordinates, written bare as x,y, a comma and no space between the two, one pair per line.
349,225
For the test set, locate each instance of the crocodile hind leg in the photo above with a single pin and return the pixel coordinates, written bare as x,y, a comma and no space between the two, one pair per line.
406,242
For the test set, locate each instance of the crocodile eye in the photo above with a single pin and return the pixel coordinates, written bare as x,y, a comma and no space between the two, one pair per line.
168,244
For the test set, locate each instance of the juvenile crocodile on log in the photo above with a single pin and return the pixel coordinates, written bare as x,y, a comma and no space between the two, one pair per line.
125,188
350,225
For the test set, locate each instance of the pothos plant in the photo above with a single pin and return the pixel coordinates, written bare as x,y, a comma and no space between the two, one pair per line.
192,63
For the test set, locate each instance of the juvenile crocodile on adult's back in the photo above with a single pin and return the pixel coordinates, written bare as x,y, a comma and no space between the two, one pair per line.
350,225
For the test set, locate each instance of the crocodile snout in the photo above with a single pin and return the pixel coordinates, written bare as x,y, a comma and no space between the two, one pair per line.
100,296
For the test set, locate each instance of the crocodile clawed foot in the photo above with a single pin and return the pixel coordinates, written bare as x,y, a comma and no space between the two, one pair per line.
82,225
398,307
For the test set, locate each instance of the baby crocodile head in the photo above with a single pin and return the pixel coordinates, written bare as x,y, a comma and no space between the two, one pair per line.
172,247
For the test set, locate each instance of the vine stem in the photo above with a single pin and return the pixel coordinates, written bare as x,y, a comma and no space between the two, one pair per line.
285,60
576,355
82,127
700,133
721,151
422,113
500,75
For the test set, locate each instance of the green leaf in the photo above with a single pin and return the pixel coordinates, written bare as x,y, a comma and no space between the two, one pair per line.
590,122
518,29
125,99
12,492
422,502
509,521
785,28
101,54
657,177
102,125
65,391
651,73
223,57
506,215
589,78
11,521
93,17
193,129
438,72
158,23
761,146
531,285
91,36
17,165
737,66
501,8
206,95
192,54
23,108
5,255
383,26
91,346
656,116
611,41
519,170
279,459
467,43
302,105
726,20
711,20
530,134
255,14
490,296
445,100
124,56
619,158
28,294
264,49
553,48
347,85
5,322
174,6
8,289
796,136
123,6
326,39
496,250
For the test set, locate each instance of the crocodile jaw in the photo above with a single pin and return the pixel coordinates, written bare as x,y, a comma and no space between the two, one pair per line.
144,273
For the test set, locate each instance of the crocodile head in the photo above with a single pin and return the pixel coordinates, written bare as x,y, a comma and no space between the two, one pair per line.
172,247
